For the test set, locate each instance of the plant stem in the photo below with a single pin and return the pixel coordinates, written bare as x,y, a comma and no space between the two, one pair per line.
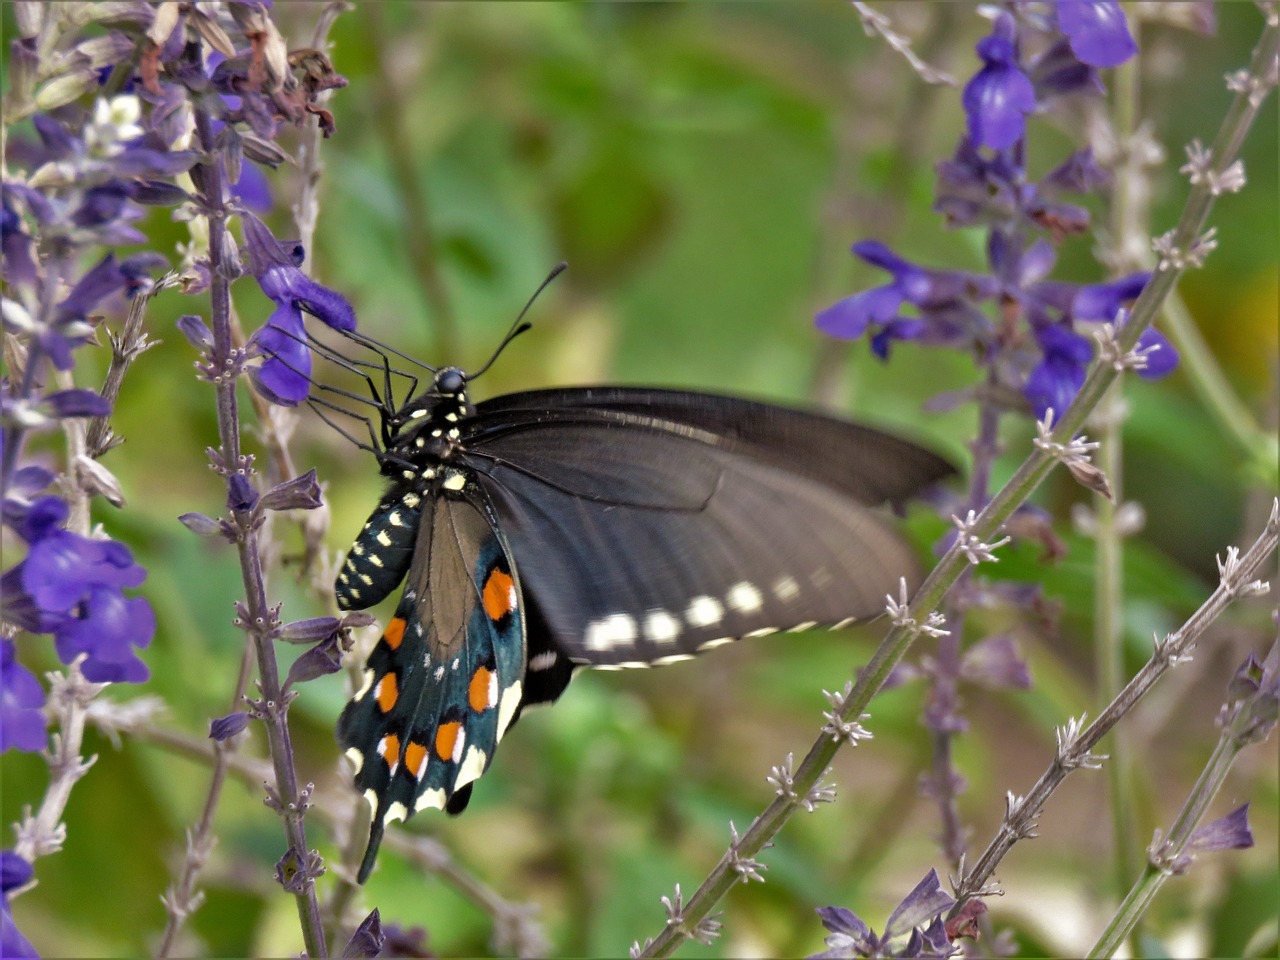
275,713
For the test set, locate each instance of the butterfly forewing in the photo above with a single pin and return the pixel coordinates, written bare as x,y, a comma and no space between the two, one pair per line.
444,681
622,584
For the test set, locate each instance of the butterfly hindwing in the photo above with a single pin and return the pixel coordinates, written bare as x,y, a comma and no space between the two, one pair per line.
444,682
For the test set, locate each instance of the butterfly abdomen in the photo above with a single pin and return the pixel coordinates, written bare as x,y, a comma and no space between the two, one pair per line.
380,555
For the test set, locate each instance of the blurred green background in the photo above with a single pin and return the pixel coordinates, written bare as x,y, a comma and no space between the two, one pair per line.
703,168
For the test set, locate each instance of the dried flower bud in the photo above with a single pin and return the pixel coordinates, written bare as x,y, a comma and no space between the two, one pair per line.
224,728
300,493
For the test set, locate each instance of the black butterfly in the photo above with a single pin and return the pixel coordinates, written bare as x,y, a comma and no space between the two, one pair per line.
593,526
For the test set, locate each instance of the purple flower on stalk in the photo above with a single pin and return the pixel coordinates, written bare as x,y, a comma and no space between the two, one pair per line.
999,97
1097,31
72,587
918,918
21,699
927,290
15,872
283,377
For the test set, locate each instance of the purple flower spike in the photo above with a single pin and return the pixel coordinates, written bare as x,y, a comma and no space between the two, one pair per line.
21,698
1097,31
1000,95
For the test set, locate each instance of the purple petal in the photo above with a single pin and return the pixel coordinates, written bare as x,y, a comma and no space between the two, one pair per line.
22,723
1102,301
996,662
15,872
1226,833
283,378
253,189
1097,31
921,905
1162,360
878,255
224,728
111,626
77,402
996,102
100,282
1059,72
848,318
843,920
368,939
196,331
1053,383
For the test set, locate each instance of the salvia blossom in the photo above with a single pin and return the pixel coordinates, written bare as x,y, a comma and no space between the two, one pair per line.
283,377
1097,31
72,586
914,929
999,97
985,182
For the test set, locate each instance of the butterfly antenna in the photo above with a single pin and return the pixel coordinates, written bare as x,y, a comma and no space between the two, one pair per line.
521,325
377,346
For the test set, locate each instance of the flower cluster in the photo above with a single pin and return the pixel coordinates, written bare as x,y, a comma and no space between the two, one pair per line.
916,927
985,182
125,115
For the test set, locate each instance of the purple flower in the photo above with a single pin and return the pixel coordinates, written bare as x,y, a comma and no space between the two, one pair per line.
918,918
71,586
284,377
1097,31
15,872
930,291
998,98
21,698
1226,833
1057,377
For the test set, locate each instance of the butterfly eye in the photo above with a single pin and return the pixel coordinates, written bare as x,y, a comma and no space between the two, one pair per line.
450,381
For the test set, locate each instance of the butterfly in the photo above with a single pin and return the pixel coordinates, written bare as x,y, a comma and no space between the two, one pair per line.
610,527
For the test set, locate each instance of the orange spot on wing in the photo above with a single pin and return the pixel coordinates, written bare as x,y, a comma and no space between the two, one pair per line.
479,690
391,749
394,633
499,594
415,756
446,737
386,692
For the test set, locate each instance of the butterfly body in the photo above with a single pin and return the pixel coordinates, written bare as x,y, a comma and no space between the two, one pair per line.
601,526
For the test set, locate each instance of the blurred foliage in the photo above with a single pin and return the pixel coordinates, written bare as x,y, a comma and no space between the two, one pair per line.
703,168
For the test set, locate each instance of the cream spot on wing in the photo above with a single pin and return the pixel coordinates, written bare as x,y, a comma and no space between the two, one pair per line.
799,627
371,798
661,627
397,811
430,798
704,611
672,658
616,630
745,597
786,588
366,684
357,759
471,767
507,707
543,661
762,632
